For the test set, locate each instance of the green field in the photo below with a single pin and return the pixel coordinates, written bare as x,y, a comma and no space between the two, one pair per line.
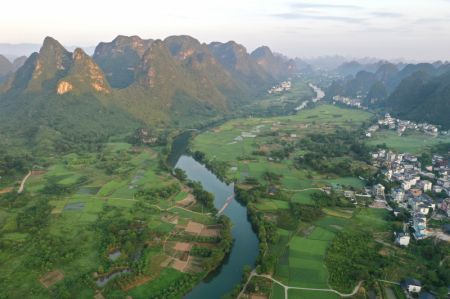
413,142
300,255
95,190
301,294
239,153
302,263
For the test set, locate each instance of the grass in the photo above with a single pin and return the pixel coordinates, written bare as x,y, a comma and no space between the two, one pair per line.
166,277
302,294
76,226
307,121
300,258
277,291
302,263
414,142
372,219
271,205
321,234
304,197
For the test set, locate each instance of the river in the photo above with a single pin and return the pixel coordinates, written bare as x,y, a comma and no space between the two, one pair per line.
320,94
245,245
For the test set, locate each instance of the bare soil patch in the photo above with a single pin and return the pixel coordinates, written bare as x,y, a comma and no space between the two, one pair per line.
179,265
166,262
210,232
99,296
137,282
182,246
172,219
194,227
38,172
187,201
6,190
51,278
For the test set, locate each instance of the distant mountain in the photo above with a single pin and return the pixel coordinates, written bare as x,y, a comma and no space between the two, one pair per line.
18,62
13,51
353,67
376,82
326,62
419,92
7,68
59,99
55,69
238,62
120,58
58,96
422,97
276,65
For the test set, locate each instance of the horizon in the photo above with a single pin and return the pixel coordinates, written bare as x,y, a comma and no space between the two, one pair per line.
409,30
89,49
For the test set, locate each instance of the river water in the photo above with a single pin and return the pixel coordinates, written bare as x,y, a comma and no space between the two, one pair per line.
245,245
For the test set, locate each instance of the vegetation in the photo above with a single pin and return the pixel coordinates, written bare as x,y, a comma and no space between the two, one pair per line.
102,216
350,259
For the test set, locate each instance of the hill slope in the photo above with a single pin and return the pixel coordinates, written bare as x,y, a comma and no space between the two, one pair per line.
422,97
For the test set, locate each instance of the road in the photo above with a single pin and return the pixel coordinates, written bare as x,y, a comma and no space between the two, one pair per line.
22,184
287,288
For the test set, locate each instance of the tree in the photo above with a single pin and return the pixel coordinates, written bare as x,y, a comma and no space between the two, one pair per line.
180,174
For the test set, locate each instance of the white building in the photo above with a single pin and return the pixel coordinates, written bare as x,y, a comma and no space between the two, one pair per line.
398,195
411,285
402,239
378,190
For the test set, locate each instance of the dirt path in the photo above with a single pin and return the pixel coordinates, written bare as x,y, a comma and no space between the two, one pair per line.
287,288
301,190
22,184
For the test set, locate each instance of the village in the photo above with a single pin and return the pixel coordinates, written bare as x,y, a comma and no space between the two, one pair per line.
423,190
282,87
392,123
351,102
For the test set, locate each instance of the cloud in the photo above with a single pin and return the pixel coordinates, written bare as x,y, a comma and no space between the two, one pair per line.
381,14
299,16
321,5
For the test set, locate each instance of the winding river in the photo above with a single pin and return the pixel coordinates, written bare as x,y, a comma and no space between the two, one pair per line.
245,246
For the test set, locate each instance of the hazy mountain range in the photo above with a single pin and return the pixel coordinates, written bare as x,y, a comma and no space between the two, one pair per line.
418,92
57,97
131,81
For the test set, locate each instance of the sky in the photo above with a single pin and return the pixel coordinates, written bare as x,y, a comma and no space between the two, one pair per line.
389,29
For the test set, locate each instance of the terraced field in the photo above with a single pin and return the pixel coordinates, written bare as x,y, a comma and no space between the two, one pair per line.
85,191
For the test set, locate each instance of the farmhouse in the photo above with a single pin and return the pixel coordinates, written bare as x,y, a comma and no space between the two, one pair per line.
402,239
411,285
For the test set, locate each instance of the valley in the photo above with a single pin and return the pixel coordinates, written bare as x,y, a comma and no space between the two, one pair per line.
116,215
173,168
276,164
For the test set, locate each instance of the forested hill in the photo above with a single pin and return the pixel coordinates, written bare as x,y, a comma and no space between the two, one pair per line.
417,92
422,97
58,97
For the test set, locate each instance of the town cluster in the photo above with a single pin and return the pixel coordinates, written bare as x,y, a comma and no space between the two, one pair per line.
392,123
282,87
424,190
349,102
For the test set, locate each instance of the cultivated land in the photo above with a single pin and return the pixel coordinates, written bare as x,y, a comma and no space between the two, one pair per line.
111,222
247,151
300,250
411,142
221,144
